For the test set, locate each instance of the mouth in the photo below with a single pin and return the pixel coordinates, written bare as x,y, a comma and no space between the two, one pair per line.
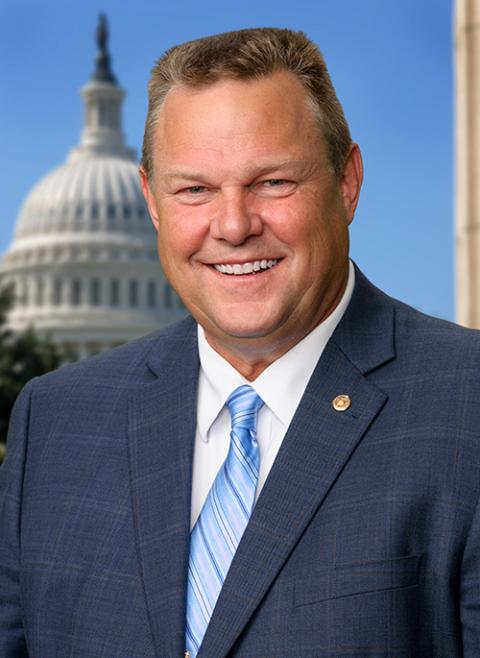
250,267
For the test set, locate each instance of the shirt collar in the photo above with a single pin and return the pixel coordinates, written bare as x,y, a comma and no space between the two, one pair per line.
216,381
280,386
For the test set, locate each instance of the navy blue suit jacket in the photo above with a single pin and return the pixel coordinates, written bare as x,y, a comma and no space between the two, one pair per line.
365,541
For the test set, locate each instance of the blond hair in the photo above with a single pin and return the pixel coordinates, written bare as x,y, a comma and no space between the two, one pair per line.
249,54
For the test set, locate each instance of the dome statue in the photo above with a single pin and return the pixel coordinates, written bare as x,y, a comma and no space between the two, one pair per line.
83,260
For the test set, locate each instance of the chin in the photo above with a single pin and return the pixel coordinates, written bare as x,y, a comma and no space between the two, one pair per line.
243,329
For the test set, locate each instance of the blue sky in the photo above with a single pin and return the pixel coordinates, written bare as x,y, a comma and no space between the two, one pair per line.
391,62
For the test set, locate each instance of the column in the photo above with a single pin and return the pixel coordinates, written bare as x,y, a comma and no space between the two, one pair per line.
467,62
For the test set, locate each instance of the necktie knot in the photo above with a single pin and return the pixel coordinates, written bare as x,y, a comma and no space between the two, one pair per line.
243,404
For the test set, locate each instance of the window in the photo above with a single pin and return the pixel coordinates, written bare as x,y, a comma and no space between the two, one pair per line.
151,294
168,297
75,292
57,292
95,292
114,292
39,292
133,292
102,114
26,293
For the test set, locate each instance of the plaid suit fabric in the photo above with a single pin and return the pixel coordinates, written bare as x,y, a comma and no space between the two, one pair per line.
365,540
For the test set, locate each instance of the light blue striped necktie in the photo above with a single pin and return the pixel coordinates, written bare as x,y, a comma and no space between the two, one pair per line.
224,516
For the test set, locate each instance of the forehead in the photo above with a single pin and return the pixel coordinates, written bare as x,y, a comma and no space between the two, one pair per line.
279,79
233,116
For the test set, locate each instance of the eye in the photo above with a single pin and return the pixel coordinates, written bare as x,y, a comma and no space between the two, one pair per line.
275,182
193,194
276,187
194,189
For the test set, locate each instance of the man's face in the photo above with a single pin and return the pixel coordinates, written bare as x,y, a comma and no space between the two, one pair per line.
252,224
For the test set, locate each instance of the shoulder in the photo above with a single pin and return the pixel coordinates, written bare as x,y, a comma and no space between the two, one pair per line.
436,366
413,332
122,366
432,338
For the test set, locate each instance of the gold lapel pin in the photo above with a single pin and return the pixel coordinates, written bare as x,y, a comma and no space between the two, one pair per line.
341,402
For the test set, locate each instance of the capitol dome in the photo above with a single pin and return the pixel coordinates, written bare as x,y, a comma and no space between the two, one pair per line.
83,261
88,195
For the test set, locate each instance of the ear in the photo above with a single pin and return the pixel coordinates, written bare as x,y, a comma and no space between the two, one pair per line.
149,198
351,181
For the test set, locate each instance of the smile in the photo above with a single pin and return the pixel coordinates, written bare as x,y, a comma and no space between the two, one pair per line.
246,268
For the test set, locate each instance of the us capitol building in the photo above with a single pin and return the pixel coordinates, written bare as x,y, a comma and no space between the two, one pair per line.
83,261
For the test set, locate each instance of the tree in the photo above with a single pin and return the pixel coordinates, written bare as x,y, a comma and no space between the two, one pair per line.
22,357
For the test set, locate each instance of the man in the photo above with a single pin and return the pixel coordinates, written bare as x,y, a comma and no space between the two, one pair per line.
340,517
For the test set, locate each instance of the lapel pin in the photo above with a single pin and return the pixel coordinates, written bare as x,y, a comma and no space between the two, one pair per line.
341,402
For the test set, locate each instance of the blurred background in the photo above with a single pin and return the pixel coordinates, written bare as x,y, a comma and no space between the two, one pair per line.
78,251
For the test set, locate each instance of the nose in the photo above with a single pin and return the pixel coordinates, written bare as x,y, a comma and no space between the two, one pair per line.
235,217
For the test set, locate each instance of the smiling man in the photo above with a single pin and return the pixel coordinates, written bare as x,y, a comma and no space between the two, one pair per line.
292,471
252,223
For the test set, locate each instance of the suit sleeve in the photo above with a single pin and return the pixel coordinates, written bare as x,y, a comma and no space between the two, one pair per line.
470,590
12,637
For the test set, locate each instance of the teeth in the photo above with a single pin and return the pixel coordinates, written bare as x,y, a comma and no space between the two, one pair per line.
246,268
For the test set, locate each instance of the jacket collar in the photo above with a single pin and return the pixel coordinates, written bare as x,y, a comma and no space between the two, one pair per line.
316,448
366,333
162,420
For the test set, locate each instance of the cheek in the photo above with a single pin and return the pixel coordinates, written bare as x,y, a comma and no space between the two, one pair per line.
181,233
285,224
315,226
297,219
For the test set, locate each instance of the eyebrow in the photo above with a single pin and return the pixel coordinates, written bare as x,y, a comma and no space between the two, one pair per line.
190,174
184,173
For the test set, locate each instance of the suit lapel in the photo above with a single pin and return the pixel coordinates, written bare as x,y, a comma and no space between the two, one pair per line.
162,419
315,449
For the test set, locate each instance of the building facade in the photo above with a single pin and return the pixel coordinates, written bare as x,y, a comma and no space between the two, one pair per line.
83,262
467,138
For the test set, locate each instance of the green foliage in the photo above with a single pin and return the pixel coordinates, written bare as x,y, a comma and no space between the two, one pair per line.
22,357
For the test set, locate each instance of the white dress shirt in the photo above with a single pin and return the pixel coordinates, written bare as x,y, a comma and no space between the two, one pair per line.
280,386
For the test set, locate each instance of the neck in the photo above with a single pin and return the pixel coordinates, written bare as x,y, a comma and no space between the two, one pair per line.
250,356
250,363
